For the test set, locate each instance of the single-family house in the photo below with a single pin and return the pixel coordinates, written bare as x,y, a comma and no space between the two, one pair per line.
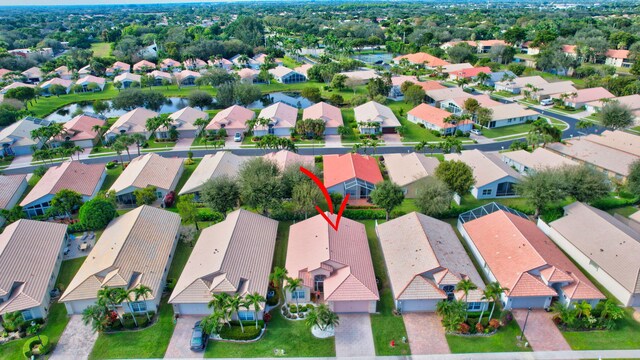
545,91
169,65
497,76
436,96
86,70
425,261
66,84
517,85
613,158
360,77
603,246
183,121
353,174
373,117
80,132
221,63
135,121
527,48
446,69
335,266
494,179
619,140
481,46
118,68
513,251
284,75
470,74
285,158
248,75
148,170
62,72
4,72
126,79
540,158
16,138
234,119
331,115
421,58
187,77
87,80
143,66
161,78
456,104
233,257
136,249
510,114
15,85
618,58
12,187
33,75
85,179
303,69
406,170
579,98
630,101
194,64
282,120
240,61
30,258
396,85
437,119
222,163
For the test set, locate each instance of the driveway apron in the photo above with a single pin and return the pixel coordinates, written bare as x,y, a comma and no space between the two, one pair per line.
354,336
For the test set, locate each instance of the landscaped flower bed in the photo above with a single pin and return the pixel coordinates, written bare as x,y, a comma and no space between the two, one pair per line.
291,312
246,333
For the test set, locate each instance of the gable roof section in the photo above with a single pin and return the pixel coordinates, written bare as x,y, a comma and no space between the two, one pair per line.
134,121
231,256
331,115
619,140
486,167
313,244
70,175
148,170
19,133
232,117
134,248
286,158
9,185
81,127
281,114
222,163
540,158
596,154
376,112
340,168
28,253
432,115
184,118
405,169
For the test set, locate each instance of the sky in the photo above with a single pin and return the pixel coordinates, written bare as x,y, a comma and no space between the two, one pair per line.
96,2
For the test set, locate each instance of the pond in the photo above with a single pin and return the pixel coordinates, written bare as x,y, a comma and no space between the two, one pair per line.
375,58
174,104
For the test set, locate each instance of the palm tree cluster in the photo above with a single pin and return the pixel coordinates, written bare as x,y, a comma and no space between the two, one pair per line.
225,305
582,316
322,317
276,142
543,132
102,315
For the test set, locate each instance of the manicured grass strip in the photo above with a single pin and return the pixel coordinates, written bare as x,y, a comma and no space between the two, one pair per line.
112,175
624,336
503,341
101,49
294,337
506,131
186,174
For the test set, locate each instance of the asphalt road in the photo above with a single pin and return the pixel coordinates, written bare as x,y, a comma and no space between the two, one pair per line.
572,131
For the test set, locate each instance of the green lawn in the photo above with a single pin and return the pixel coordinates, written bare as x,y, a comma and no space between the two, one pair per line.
280,253
188,170
503,341
384,324
625,211
101,49
290,63
153,144
112,175
625,336
294,337
413,132
57,319
151,342
506,131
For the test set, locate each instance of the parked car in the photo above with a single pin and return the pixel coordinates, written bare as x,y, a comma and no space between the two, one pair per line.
476,132
198,338
237,137
546,102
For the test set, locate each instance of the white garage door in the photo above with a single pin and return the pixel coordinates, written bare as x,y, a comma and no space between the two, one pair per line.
528,302
418,305
350,306
194,309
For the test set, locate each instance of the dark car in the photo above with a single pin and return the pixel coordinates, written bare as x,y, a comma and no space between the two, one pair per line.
198,338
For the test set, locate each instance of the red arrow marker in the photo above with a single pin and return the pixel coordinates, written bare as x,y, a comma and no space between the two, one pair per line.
327,197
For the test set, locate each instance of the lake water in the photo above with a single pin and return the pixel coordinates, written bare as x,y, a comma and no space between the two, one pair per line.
174,104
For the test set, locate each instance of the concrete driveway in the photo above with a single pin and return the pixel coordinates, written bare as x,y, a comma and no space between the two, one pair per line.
181,339
541,333
332,140
426,334
183,143
354,336
76,342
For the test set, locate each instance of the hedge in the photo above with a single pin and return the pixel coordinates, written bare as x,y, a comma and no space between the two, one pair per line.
235,332
29,344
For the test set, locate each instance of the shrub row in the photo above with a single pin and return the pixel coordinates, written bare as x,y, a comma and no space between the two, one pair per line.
234,332
45,347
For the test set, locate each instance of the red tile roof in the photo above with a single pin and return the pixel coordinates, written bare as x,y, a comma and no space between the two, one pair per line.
618,54
422,58
472,72
432,115
340,168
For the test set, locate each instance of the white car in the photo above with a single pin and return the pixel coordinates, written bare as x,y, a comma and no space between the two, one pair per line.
476,132
237,137
546,102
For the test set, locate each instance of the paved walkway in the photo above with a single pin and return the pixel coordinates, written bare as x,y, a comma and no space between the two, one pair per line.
392,139
354,336
181,339
426,334
541,333
20,161
183,143
76,342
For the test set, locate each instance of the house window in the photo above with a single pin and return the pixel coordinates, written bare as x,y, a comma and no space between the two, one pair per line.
486,192
26,315
448,289
474,306
246,316
298,294
139,306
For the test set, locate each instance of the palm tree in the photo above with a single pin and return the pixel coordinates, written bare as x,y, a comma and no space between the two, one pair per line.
118,148
220,302
142,291
235,302
420,146
139,139
126,141
96,316
466,285
212,324
482,77
255,300
100,131
461,82
583,308
121,295
277,277
77,150
485,296
495,291
107,300
292,286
